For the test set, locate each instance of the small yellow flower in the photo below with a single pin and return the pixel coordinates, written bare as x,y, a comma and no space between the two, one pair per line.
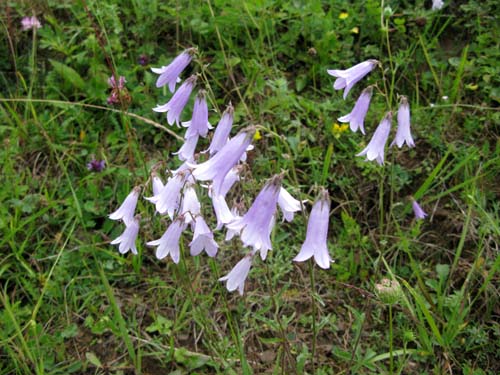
355,30
337,129
257,135
343,15
82,135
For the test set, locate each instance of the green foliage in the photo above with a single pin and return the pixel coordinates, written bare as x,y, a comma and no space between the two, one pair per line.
71,304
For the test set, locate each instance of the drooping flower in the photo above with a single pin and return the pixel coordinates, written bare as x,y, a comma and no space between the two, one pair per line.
217,167
288,204
346,79
186,152
222,131
437,4
169,242
376,147
203,239
96,165
315,244
403,133
231,232
231,178
190,204
170,74
178,101
126,241
157,184
222,212
237,276
256,225
168,199
28,23
126,211
356,118
199,125
417,210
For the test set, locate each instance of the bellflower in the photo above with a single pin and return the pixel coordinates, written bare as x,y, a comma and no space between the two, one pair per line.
222,131
346,79
231,232
170,74
178,101
222,212
203,239
126,211
237,276
126,241
167,200
315,244
403,133
199,125
375,149
417,210
186,152
169,242
288,204
190,204
217,167
256,225
356,118
437,4
231,178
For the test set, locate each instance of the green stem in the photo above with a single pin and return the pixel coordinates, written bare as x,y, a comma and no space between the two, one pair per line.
314,313
391,356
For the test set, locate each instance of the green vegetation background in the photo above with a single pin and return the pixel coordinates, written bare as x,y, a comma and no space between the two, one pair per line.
69,303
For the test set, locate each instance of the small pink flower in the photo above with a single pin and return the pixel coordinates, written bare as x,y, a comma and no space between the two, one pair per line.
28,23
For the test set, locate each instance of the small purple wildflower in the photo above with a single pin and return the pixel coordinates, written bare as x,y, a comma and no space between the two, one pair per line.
376,147
356,118
288,204
28,23
256,225
237,276
121,82
96,165
169,242
113,98
315,244
186,152
218,166
417,210
126,240
168,199
191,206
199,125
346,79
126,211
143,60
222,131
403,133
203,239
178,101
170,74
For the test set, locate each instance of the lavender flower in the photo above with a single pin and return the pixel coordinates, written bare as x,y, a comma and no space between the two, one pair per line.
346,79
356,118
96,165
167,200
169,242
126,211
403,133
437,4
231,232
375,149
190,204
203,239
222,131
231,178
236,278
222,212
157,184
28,23
317,233
288,204
417,210
178,101
126,240
170,74
199,125
256,225
186,152
217,167
143,60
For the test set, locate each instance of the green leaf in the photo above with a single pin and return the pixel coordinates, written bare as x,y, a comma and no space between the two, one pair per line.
69,74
